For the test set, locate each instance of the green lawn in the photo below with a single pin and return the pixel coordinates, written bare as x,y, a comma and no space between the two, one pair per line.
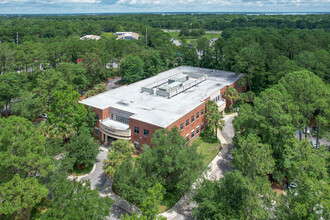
209,150
193,40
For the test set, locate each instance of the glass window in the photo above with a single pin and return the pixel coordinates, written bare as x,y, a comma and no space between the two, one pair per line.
187,137
181,127
202,112
136,130
187,122
146,132
197,129
192,119
192,133
96,131
197,115
97,117
202,126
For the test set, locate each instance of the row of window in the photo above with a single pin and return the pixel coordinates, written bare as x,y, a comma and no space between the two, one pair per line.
145,131
193,132
192,119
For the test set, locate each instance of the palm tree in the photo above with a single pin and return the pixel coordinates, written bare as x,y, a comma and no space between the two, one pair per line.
214,116
231,94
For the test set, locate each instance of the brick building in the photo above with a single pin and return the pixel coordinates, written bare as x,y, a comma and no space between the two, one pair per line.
176,97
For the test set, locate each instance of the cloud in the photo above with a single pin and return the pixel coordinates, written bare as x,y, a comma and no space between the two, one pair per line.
105,6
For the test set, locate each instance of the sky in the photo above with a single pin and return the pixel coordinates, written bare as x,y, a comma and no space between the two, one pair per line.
131,6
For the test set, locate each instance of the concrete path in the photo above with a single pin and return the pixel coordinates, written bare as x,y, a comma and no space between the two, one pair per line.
217,168
113,83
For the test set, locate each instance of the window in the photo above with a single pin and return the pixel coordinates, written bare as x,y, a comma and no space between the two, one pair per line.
136,130
187,122
146,132
181,127
97,117
137,146
192,133
202,126
96,131
202,112
197,115
192,119
197,129
112,116
122,119
187,137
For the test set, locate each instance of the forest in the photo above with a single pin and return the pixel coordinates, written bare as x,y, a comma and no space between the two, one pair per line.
45,68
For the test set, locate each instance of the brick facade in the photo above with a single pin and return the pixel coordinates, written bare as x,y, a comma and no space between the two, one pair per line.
192,125
141,139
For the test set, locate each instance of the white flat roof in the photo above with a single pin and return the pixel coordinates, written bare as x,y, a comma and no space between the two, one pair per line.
115,124
158,110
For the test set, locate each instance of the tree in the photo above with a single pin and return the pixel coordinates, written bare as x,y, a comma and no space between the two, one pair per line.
75,200
6,58
119,152
65,112
10,86
214,117
82,148
48,82
247,97
307,167
19,196
250,60
95,70
75,75
233,197
308,93
132,69
171,162
253,158
22,150
23,162
150,206
270,119
231,94
29,105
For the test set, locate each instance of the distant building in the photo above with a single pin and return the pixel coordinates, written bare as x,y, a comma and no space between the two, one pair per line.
127,35
176,97
91,37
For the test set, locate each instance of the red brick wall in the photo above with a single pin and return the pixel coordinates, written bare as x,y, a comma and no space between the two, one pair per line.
140,137
192,125
103,114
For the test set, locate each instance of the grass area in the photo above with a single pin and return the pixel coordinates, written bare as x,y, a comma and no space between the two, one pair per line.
208,150
192,39
80,172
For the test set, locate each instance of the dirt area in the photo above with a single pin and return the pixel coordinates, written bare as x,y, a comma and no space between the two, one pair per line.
276,187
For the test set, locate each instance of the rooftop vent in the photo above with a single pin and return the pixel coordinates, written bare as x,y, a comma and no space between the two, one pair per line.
174,85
